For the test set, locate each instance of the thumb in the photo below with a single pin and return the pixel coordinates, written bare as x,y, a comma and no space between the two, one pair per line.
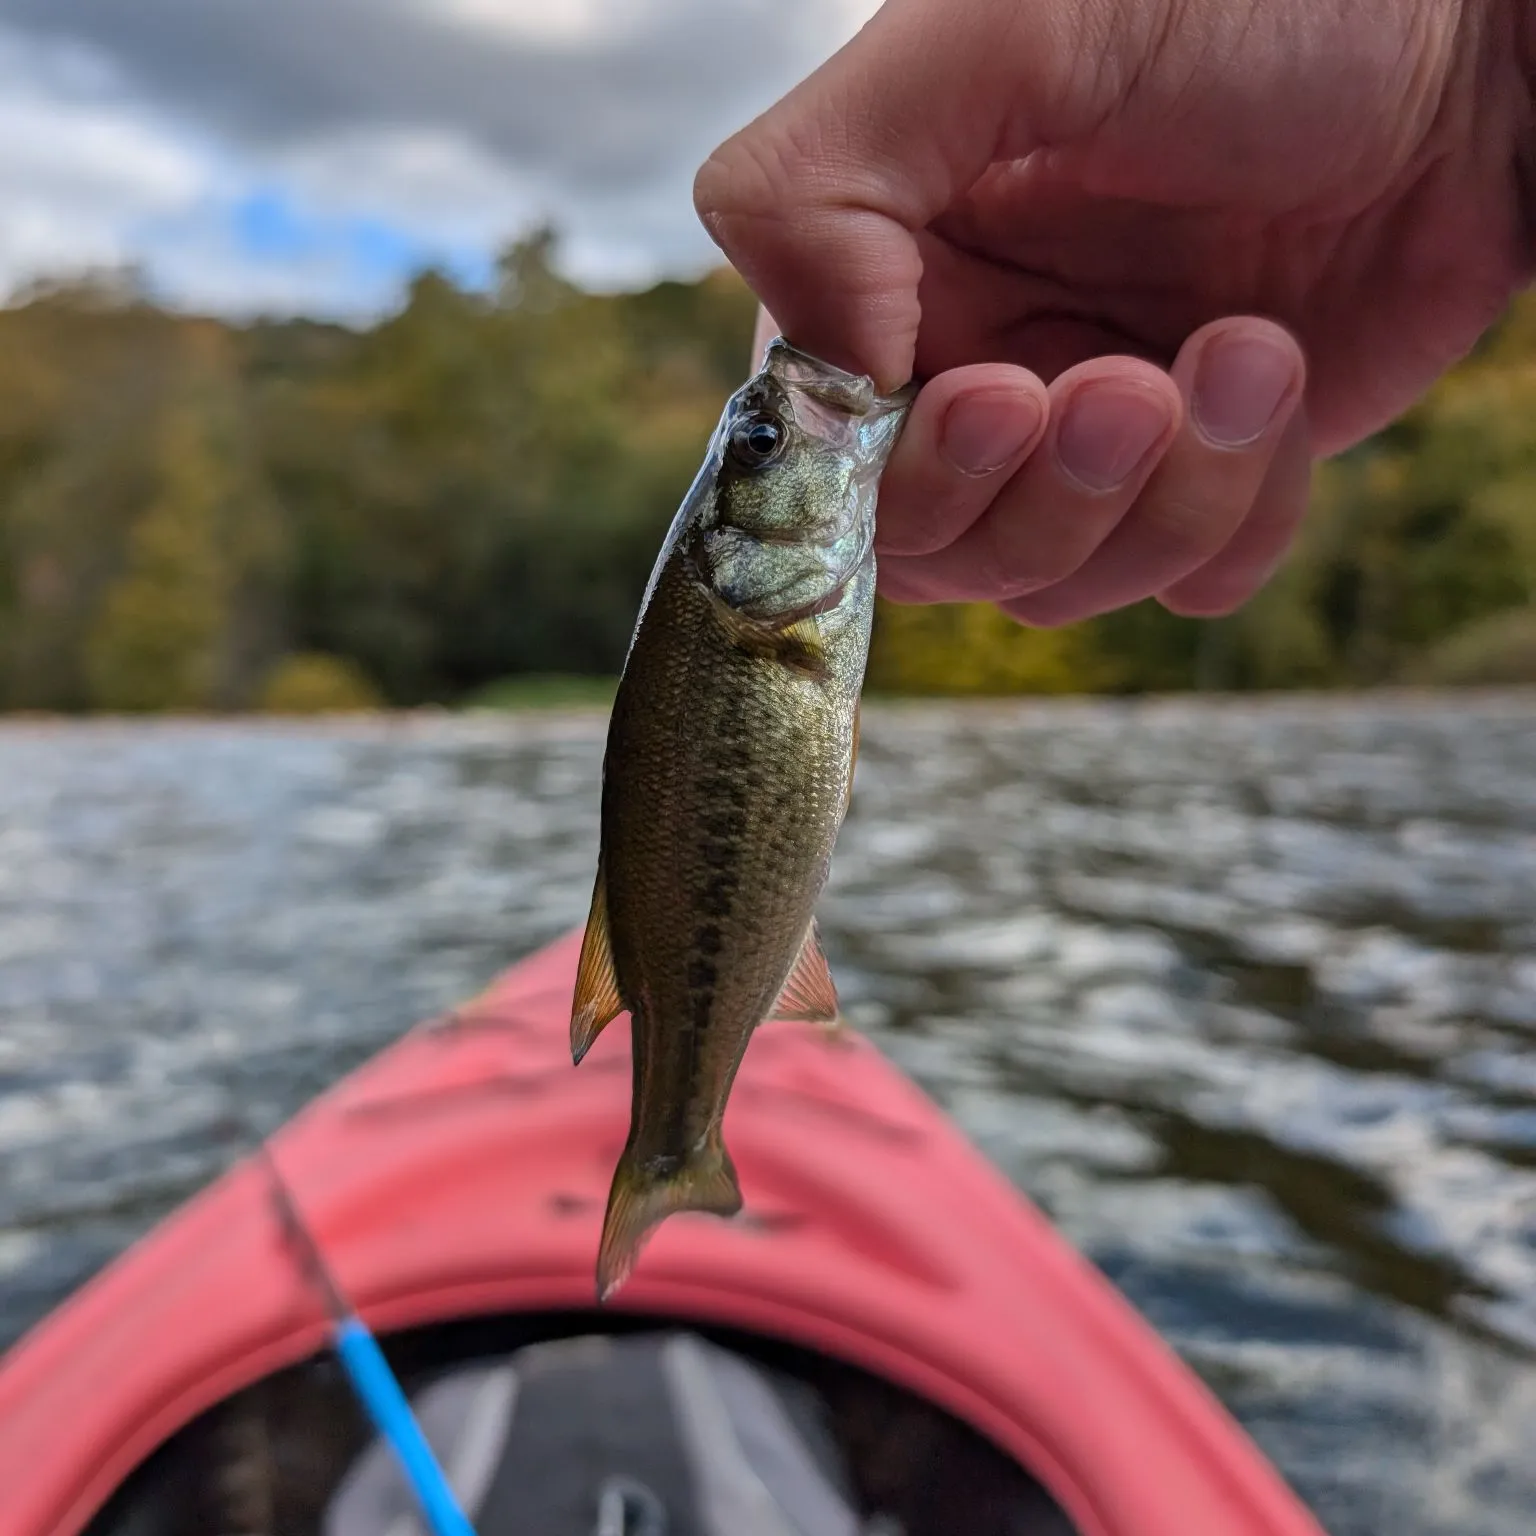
817,203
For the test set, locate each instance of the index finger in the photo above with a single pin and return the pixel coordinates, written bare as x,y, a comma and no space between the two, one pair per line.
816,203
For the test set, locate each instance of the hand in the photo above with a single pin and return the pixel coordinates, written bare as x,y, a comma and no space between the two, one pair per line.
1150,257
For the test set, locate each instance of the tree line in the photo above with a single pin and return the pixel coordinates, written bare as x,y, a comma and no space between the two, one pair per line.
197,515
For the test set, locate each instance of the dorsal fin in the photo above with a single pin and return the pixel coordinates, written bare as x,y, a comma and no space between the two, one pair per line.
597,1002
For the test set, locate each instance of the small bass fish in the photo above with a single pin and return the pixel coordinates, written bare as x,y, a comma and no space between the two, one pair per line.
729,762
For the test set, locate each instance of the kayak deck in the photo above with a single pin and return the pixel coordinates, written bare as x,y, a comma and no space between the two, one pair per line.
459,1179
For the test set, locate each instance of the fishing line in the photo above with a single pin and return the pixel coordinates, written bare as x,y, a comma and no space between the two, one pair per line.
375,1384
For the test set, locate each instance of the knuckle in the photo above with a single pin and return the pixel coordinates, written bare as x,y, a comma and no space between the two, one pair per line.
922,525
1029,554
716,184
1037,613
1204,600
911,537
1189,526
741,180
1050,567
1216,591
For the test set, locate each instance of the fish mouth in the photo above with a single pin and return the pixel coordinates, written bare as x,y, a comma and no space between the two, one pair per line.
830,405
854,394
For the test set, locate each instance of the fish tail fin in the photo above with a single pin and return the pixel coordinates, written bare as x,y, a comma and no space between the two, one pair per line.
642,1198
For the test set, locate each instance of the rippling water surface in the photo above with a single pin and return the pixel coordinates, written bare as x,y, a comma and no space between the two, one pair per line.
1243,995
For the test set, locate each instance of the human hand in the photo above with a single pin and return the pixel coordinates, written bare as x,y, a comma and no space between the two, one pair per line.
1107,236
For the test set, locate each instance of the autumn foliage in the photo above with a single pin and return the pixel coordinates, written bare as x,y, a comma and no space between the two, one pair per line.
202,516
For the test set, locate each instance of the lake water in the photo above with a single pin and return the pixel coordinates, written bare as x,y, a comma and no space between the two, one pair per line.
1243,995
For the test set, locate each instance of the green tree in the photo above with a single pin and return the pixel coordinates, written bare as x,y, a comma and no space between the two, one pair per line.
188,622
973,648
474,488
157,642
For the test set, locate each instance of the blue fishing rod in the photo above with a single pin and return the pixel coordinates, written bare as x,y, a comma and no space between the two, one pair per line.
372,1380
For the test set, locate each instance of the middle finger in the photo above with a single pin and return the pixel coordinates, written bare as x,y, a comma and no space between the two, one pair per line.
1243,378
1111,418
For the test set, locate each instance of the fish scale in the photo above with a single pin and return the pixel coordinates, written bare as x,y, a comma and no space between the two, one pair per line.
728,766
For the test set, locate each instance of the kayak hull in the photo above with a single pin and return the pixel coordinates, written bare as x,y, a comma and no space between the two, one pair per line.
463,1172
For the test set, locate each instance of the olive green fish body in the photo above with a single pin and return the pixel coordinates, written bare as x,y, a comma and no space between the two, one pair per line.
727,773
731,775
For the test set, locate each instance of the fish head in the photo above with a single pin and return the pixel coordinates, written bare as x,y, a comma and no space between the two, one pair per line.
786,518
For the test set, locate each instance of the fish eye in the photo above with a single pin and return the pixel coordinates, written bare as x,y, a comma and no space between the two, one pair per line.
757,441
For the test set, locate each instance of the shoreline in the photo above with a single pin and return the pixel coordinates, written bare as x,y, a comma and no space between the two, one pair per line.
561,717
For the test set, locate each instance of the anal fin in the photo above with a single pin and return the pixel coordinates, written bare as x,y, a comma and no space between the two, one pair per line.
810,992
596,1002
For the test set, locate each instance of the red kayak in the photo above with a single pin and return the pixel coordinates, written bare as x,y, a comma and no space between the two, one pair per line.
456,1184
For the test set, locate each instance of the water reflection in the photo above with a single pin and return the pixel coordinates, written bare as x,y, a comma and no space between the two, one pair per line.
1241,994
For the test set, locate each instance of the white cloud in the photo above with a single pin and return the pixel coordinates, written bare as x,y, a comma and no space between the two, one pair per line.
603,21
426,180
79,171
454,124
557,21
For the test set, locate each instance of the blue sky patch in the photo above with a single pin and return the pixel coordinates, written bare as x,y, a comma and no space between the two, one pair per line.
270,226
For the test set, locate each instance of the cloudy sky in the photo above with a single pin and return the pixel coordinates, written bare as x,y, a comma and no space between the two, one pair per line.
281,155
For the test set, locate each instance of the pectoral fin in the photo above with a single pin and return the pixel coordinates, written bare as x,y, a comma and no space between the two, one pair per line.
797,645
800,645
809,993
597,1001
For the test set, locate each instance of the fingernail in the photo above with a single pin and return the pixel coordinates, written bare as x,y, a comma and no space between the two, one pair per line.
1107,431
981,433
1239,384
